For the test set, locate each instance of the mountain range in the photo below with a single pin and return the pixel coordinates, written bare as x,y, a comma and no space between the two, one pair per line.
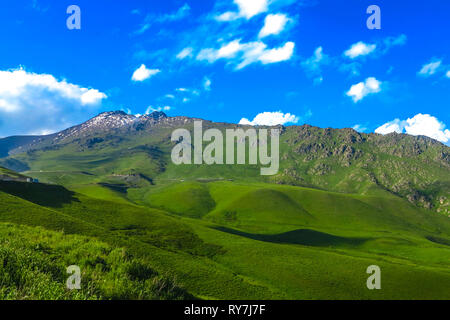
110,200
339,160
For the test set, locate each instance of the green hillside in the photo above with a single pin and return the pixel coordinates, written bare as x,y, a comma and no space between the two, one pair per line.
342,201
338,160
33,264
313,253
6,173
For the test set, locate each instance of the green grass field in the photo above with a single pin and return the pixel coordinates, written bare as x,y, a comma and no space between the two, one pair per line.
231,240
33,264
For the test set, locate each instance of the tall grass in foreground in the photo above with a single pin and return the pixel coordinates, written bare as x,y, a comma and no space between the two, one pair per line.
33,264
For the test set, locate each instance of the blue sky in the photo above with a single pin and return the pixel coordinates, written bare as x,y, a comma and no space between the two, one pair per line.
249,61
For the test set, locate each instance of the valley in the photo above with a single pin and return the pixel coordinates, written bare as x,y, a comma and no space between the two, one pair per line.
342,201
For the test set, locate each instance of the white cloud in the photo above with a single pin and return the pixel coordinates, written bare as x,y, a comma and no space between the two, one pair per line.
186,52
314,63
358,91
251,8
247,10
149,19
430,68
359,128
278,54
229,50
127,110
228,16
142,73
251,53
352,68
248,53
34,103
92,96
360,49
270,119
181,13
427,125
448,74
151,109
207,84
395,125
273,24
420,124
13,83
318,80
394,41
144,27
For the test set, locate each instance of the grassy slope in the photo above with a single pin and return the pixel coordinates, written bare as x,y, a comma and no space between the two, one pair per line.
341,160
356,232
10,173
33,264
169,246
319,247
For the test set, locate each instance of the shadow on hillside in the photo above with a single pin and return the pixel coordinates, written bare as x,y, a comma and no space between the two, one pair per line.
53,196
305,237
121,188
438,240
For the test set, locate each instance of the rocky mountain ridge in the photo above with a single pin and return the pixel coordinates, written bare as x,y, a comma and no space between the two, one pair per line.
416,168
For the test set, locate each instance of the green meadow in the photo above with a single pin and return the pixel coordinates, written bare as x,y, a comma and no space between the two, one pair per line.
341,202
219,240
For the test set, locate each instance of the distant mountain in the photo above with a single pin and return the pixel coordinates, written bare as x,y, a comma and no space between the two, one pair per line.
131,151
14,142
106,122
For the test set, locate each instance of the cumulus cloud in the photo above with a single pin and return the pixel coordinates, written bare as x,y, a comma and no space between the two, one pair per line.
360,49
229,50
420,124
448,74
246,9
142,73
247,53
430,68
270,119
273,24
395,125
358,91
282,53
32,103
